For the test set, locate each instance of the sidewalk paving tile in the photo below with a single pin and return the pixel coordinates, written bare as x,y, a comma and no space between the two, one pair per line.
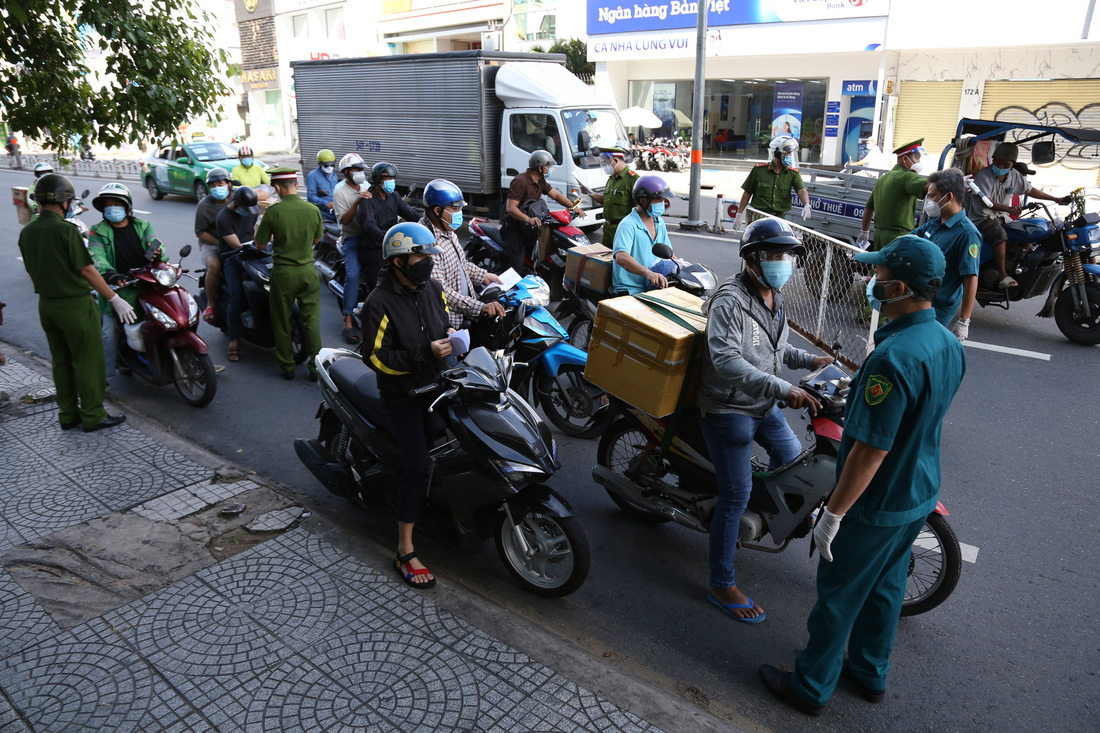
24,621
48,503
10,722
172,506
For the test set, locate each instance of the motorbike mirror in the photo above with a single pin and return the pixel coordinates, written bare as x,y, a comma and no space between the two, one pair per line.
663,251
85,194
584,141
235,182
1042,153
185,251
492,293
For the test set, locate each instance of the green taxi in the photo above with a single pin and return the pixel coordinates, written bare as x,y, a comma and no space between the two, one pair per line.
181,168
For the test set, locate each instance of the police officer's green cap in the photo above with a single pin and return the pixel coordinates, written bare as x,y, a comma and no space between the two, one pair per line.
1007,151
914,260
908,147
283,173
613,150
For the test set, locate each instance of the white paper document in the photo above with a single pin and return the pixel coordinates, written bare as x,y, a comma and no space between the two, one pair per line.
509,278
460,342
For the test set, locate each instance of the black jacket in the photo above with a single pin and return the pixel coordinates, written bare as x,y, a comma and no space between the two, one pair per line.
400,325
376,216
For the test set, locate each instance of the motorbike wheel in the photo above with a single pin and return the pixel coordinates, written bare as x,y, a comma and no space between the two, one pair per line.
576,407
622,444
1074,326
663,163
561,557
934,567
298,339
580,332
151,187
197,383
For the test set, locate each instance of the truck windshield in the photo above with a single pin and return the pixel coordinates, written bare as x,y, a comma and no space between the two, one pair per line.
603,127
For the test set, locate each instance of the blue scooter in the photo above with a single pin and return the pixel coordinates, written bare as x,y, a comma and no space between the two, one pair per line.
547,368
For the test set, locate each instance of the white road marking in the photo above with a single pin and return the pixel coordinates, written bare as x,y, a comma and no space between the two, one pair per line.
1007,350
139,211
727,240
969,552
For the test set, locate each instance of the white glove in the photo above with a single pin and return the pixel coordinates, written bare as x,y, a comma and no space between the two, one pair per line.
824,532
961,329
739,220
807,212
863,241
123,310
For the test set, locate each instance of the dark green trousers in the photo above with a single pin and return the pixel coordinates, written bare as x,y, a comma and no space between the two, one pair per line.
292,284
859,598
72,329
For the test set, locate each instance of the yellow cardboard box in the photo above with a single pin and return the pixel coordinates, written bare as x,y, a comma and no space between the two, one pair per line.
589,265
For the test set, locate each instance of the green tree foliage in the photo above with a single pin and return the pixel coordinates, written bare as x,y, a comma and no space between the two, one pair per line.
161,68
576,57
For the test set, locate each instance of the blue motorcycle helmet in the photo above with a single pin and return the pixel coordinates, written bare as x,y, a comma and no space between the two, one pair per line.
443,193
408,238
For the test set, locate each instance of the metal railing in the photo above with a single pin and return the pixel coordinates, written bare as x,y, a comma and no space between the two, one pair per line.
825,299
107,169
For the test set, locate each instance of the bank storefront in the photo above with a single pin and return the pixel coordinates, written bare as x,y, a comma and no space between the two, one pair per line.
810,69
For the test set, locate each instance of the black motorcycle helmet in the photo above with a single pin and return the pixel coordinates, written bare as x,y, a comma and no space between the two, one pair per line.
769,235
217,175
53,188
382,169
244,198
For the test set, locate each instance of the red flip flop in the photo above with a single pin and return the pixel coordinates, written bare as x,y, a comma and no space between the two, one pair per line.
208,315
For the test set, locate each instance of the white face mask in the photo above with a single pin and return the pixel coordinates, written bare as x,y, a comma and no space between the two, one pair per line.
359,177
918,165
933,208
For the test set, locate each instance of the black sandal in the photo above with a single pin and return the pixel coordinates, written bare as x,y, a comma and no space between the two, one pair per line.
350,336
410,576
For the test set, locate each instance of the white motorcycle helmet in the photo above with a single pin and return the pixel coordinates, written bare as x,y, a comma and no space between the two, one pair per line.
785,147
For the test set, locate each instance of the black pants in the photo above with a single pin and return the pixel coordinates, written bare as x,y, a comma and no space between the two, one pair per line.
517,240
406,419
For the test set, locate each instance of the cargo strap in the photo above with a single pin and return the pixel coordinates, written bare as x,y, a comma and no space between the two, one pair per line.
668,311
571,287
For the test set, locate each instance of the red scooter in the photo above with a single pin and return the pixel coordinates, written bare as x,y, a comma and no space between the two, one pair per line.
163,347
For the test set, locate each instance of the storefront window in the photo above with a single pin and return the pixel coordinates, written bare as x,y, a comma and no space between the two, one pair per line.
740,116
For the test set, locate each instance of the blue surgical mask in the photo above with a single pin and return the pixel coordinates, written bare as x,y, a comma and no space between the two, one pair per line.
389,186
788,161
220,192
776,274
246,162
456,219
1000,171
875,292
114,214
657,208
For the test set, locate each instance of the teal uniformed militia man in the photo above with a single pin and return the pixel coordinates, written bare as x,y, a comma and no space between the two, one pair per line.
62,272
893,201
295,225
888,482
617,198
770,184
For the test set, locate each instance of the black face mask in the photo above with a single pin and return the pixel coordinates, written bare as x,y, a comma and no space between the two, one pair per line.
419,273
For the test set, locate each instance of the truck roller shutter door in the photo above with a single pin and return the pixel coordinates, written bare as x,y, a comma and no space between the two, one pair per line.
928,109
1059,102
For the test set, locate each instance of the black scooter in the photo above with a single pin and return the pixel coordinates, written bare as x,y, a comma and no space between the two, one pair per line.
490,453
256,317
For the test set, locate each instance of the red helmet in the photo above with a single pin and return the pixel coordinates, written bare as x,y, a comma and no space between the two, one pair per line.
244,152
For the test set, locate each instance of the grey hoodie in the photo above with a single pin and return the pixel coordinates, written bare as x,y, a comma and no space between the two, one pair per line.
746,342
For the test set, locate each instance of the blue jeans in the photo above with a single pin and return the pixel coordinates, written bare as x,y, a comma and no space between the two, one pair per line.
351,273
729,438
233,276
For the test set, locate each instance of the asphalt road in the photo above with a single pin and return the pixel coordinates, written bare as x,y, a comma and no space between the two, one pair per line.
1015,647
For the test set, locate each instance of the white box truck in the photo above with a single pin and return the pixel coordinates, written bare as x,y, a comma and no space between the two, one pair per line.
472,117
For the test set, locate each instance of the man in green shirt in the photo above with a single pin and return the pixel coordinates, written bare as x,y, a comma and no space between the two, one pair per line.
617,197
62,271
893,201
770,184
888,482
295,226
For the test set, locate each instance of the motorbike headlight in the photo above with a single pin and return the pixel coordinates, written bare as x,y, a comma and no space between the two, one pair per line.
192,310
538,296
163,318
1094,235
166,277
267,286
518,474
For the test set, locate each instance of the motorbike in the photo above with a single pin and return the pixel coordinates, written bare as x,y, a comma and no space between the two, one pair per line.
1060,259
490,454
656,486
164,346
549,370
581,302
86,152
665,155
256,317
485,248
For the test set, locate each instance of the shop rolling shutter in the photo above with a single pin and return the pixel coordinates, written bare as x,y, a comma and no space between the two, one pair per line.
928,109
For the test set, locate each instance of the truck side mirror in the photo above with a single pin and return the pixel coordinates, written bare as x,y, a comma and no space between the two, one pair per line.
1042,153
584,141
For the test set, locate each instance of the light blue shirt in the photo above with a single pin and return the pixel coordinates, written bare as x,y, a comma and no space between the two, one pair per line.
633,238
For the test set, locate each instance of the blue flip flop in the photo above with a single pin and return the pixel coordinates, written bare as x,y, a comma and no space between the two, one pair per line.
730,610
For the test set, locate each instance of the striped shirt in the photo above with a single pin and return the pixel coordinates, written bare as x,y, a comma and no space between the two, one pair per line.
459,277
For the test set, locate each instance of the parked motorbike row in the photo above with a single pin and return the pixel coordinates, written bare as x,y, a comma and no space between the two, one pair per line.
663,154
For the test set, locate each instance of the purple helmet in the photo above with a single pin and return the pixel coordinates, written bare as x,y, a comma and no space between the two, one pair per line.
651,187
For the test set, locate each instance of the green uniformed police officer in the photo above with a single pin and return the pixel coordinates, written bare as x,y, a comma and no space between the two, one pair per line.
893,201
295,226
888,482
770,184
62,271
617,197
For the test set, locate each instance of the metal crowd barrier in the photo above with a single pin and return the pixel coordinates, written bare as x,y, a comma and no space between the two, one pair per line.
107,169
825,299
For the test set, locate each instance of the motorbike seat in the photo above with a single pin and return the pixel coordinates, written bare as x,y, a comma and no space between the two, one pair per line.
492,231
1027,230
332,229
359,382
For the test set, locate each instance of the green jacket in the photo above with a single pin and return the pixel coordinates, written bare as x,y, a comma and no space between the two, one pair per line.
101,243
618,201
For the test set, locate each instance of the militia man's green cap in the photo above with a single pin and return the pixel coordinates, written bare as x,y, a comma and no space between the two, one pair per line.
909,147
613,150
283,173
